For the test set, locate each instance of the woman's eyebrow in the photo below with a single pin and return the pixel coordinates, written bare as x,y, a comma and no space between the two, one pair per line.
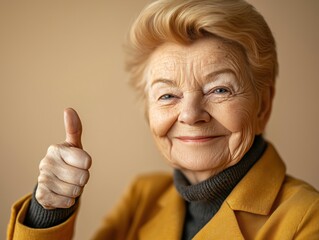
164,81
212,76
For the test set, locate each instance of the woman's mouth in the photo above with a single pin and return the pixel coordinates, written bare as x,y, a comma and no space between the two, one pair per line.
197,139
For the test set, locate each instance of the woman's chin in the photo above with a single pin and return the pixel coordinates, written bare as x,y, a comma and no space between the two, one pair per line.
200,166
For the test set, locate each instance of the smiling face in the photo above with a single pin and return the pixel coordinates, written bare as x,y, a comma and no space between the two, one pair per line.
202,108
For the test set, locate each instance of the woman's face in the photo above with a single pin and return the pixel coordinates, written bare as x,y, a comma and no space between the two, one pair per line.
202,107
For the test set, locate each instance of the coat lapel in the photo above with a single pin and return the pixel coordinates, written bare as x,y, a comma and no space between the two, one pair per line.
258,190
252,198
222,226
168,221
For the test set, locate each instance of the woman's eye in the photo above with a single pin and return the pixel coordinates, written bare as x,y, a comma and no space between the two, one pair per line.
221,91
166,97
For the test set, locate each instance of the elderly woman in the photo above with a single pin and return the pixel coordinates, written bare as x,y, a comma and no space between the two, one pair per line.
206,71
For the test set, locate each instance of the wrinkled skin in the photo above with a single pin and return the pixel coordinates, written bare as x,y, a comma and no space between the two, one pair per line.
203,110
64,170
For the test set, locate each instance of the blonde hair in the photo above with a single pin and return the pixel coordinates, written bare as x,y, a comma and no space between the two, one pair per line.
185,21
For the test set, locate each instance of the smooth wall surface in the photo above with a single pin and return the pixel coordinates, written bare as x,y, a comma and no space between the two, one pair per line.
56,54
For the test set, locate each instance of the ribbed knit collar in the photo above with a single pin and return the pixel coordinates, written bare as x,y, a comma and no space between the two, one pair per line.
218,187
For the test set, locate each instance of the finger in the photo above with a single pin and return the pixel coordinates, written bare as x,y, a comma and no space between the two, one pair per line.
63,171
72,175
51,200
75,157
59,187
73,128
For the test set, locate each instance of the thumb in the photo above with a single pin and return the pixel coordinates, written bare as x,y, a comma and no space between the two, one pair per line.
73,128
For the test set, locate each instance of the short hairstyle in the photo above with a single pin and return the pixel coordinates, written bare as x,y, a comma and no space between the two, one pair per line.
185,21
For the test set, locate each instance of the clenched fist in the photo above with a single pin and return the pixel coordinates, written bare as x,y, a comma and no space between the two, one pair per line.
64,170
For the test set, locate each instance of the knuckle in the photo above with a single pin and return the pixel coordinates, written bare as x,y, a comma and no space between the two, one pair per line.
52,156
87,161
42,165
84,178
39,195
42,195
77,191
53,148
65,202
45,165
44,179
44,161
69,202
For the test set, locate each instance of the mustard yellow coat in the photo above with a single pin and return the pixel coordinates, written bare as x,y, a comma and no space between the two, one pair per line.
266,204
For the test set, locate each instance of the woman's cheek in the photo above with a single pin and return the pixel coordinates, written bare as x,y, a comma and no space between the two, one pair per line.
234,116
161,120
160,123
240,119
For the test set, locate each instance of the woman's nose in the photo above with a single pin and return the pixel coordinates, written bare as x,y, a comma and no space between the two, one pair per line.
193,109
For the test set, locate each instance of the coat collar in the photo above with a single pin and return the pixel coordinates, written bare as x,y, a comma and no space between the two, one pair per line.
255,193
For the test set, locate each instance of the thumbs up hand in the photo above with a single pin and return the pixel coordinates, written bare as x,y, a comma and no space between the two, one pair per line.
64,169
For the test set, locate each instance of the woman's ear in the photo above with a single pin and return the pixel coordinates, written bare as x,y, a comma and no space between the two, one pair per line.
265,107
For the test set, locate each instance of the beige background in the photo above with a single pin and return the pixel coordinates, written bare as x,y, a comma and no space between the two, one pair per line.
55,54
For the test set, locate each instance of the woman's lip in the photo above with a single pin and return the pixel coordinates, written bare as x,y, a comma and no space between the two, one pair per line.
197,138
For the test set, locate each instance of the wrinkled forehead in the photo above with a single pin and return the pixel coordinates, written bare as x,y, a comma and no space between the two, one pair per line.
199,59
